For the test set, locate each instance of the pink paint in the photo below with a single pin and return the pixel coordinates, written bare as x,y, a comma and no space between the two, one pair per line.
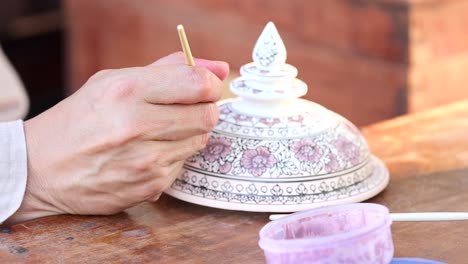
351,233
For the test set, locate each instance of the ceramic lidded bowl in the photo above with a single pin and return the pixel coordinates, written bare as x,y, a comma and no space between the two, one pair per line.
274,152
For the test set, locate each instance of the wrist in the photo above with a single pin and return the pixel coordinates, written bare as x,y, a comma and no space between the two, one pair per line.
35,203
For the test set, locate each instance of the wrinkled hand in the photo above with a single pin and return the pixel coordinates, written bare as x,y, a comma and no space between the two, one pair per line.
121,139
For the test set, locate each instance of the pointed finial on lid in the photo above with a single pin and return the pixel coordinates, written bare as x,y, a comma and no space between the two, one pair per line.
269,51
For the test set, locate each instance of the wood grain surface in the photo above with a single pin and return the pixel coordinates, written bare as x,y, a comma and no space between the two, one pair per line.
427,155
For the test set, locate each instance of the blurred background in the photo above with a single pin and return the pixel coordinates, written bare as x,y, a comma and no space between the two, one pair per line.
32,36
368,60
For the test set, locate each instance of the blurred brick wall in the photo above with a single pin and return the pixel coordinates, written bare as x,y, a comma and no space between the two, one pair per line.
360,58
31,36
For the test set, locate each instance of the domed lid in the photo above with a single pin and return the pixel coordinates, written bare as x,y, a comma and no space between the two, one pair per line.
272,151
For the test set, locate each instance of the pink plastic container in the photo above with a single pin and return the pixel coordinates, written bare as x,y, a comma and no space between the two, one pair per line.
351,233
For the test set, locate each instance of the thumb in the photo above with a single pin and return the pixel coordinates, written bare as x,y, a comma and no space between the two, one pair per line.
218,68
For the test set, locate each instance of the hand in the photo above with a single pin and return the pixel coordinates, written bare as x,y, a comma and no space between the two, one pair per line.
121,139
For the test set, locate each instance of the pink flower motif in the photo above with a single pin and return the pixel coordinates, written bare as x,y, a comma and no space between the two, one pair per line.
332,165
224,110
297,119
269,121
216,148
225,168
306,150
256,161
242,118
347,150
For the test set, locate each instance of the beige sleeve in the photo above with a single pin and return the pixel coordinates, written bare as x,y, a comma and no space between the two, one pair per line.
14,103
13,167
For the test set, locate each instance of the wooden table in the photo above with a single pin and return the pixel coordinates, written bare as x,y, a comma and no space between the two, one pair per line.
427,154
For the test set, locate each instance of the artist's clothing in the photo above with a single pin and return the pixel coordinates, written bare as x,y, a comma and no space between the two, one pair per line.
13,167
13,163
13,98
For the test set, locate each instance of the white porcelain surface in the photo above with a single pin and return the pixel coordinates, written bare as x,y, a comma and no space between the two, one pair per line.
192,188
274,152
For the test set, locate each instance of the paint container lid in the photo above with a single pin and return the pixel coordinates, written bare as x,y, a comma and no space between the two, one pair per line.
350,233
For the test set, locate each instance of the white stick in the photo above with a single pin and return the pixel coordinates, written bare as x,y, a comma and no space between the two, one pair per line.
427,216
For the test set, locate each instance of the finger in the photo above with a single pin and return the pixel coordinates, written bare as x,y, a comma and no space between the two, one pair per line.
176,171
219,68
165,153
174,84
167,181
175,122
183,149
154,198
148,160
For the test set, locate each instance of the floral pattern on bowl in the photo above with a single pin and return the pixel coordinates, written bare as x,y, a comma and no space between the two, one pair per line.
280,196
241,153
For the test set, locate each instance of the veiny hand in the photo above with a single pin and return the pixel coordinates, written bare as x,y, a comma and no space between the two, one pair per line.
121,139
